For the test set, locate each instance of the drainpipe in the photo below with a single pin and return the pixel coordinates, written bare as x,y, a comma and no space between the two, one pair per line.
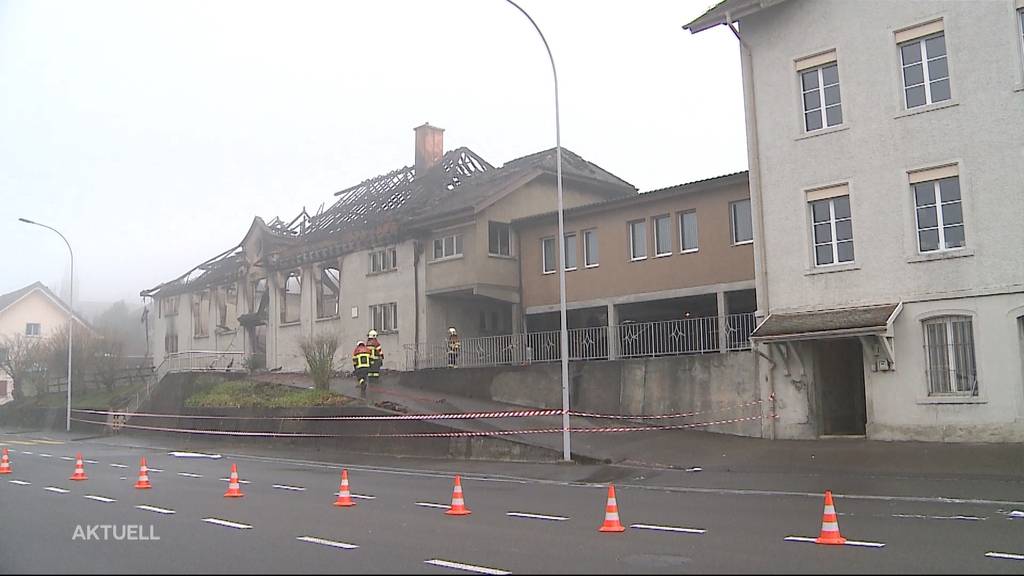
416,249
754,176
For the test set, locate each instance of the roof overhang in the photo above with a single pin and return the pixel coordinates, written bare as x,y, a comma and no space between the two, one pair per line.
728,11
828,324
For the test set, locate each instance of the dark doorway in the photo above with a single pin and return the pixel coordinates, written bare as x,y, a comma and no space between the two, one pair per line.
839,370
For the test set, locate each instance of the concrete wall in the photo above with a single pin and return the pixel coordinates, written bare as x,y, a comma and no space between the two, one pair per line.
628,387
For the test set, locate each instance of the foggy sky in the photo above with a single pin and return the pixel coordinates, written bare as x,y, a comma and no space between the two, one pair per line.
151,133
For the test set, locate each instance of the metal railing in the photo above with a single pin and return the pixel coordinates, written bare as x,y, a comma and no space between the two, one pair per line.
627,340
201,361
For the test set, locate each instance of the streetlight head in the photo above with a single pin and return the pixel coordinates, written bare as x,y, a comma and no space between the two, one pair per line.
26,221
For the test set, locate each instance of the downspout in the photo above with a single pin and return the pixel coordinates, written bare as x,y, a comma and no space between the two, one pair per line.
754,177
522,303
416,248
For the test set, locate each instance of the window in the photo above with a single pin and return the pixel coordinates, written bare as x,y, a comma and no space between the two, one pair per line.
383,260
169,306
328,297
662,235
200,314
291,298
384,317
688,231
1020,20
227,307
832,227
637,240
742,229
548,254
590,248
820,88
939,213
925,70
448,247
949,349
259,302
499,239
170,343
32,329
570,251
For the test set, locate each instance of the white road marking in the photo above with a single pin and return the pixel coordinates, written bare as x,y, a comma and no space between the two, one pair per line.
68,458
118,466
695,469
189,475
123,478
360,496
293,488
432,505
194,455
90,462
923,517
669,528
19,482
41,455
467,567
535,516
99,498
57,490
154,469
331,543
1004,555
26,452
1016,514
229,480
847,543
155,509
227,523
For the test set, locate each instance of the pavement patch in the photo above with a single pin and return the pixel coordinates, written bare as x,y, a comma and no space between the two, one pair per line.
330,543
668,528
847,543
1004,556
155,509
227,523
536,516
103,499
467,567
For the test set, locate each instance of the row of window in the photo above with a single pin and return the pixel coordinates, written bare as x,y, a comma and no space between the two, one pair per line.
739,216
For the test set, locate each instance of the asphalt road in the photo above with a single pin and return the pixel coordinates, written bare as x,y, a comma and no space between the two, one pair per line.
733,528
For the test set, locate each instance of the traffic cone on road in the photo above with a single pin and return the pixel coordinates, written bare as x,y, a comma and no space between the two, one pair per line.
611,514
344,498
79,469
233,490
829,524
458,507
143,482
5,463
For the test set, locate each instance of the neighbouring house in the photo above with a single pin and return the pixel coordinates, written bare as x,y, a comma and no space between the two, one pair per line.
886,156
32,312
408,253
667,272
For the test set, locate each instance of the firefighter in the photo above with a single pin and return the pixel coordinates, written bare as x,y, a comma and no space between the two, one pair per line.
454,345
361,363
376,356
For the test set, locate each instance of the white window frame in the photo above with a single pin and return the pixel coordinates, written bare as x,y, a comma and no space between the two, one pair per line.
322,295
732,222
926,75
632,247
456,247
508,239
951,356
382,260
571,253
384,317
33,334
682,232
660,251
938,216
822,109
588,261
544,264
833,242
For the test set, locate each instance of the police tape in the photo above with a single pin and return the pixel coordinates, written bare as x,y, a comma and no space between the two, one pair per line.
429,434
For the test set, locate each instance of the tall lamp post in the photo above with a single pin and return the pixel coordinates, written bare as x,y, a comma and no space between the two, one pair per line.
564,333
71,308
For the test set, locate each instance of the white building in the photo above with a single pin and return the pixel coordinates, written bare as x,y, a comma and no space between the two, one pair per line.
886,152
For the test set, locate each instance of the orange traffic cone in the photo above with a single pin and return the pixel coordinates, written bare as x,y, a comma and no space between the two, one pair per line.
143,483
344,498
611,514
5,463
233,490
829,524
458,507
79,469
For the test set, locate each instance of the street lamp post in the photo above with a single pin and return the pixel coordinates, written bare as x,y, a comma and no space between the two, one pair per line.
71,308
564,332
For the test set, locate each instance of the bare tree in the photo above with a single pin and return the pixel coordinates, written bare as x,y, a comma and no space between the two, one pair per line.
21,357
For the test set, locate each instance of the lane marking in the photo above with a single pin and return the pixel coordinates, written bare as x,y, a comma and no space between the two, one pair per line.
668,528
118,466
99,498
88,461
50,442
155,469
847,543
293,488
229,480
194,455
189,475
68,458
1016,514
467,567
19,482
331,543
536,516
1004,555
360,496
123,478
432,505
155,509
227,523
57,490
41,455
695,469
27,452
923,517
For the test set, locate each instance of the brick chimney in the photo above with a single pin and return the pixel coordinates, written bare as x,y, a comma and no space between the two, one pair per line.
429,147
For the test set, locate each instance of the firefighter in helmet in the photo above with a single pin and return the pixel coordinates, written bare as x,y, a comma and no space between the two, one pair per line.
376,356
454,345
361,362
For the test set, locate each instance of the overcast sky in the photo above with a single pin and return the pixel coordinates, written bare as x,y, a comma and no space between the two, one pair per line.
151,133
